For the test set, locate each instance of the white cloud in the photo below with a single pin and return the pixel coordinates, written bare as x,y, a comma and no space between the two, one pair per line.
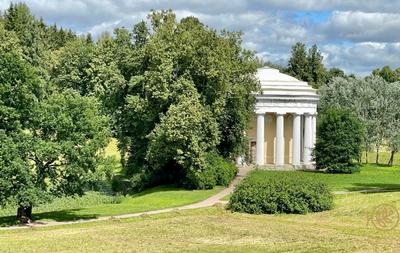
362,57
389,6
362,26
356,36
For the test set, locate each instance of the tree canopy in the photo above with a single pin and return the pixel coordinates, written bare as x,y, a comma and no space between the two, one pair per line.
177,95
374,101
179,58
50,137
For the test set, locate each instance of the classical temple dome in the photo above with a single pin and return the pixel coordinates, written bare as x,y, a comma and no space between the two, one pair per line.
281,90
284,127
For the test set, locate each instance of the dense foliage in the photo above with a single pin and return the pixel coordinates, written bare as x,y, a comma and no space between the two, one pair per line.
50,138
307,65
281,193
176,94
374,102
189,92
388,74
339,141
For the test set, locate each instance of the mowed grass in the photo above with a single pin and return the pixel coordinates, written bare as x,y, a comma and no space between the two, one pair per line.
370,177
346,228
94,204
383,157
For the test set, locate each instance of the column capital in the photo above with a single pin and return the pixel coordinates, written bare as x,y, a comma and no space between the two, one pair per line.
260,113
280,113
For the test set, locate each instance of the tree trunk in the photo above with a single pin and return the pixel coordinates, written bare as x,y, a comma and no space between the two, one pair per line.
377,155
24,214
390,163
366,156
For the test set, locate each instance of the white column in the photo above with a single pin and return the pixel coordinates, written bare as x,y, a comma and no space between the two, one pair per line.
307,138
260,140
314,127
296,148
301,138
280,144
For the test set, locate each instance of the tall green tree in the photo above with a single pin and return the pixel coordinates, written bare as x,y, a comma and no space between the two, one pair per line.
179,143
393,120
387,74
174,57
298,63
52,155
49,139
316,70
18,18
339,141
20,89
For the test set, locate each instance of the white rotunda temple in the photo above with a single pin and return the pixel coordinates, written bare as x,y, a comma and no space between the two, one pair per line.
284,126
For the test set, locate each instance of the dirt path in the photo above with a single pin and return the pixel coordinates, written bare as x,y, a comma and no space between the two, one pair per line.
205,203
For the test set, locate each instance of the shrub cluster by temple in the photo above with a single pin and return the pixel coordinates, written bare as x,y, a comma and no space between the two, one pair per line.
281,193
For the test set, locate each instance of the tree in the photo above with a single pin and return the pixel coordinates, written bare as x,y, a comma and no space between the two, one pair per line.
387,74
380,111
89,69
316,69
16,180
179,143
170,58
393,122
298,62
71,64
334,72
308,66
19,19
339,140
9,42
372,100
20,89
59,147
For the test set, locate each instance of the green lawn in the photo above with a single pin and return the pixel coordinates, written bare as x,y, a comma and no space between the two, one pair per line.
347,228
370,177
95,204
383,157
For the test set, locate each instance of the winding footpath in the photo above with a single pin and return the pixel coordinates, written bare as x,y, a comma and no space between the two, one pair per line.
205,203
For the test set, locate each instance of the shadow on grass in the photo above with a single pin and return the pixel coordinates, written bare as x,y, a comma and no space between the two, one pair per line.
72,214
374,187
63,215
161,188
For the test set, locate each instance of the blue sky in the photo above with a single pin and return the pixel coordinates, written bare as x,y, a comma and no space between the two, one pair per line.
354,35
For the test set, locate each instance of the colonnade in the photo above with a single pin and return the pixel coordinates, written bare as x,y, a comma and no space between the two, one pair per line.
301,140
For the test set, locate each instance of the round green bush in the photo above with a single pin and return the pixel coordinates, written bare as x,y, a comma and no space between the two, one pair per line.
339,141
281,193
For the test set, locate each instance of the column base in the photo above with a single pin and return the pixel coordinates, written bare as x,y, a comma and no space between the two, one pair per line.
286,167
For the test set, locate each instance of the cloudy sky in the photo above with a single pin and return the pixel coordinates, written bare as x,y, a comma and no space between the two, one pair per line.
354,35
